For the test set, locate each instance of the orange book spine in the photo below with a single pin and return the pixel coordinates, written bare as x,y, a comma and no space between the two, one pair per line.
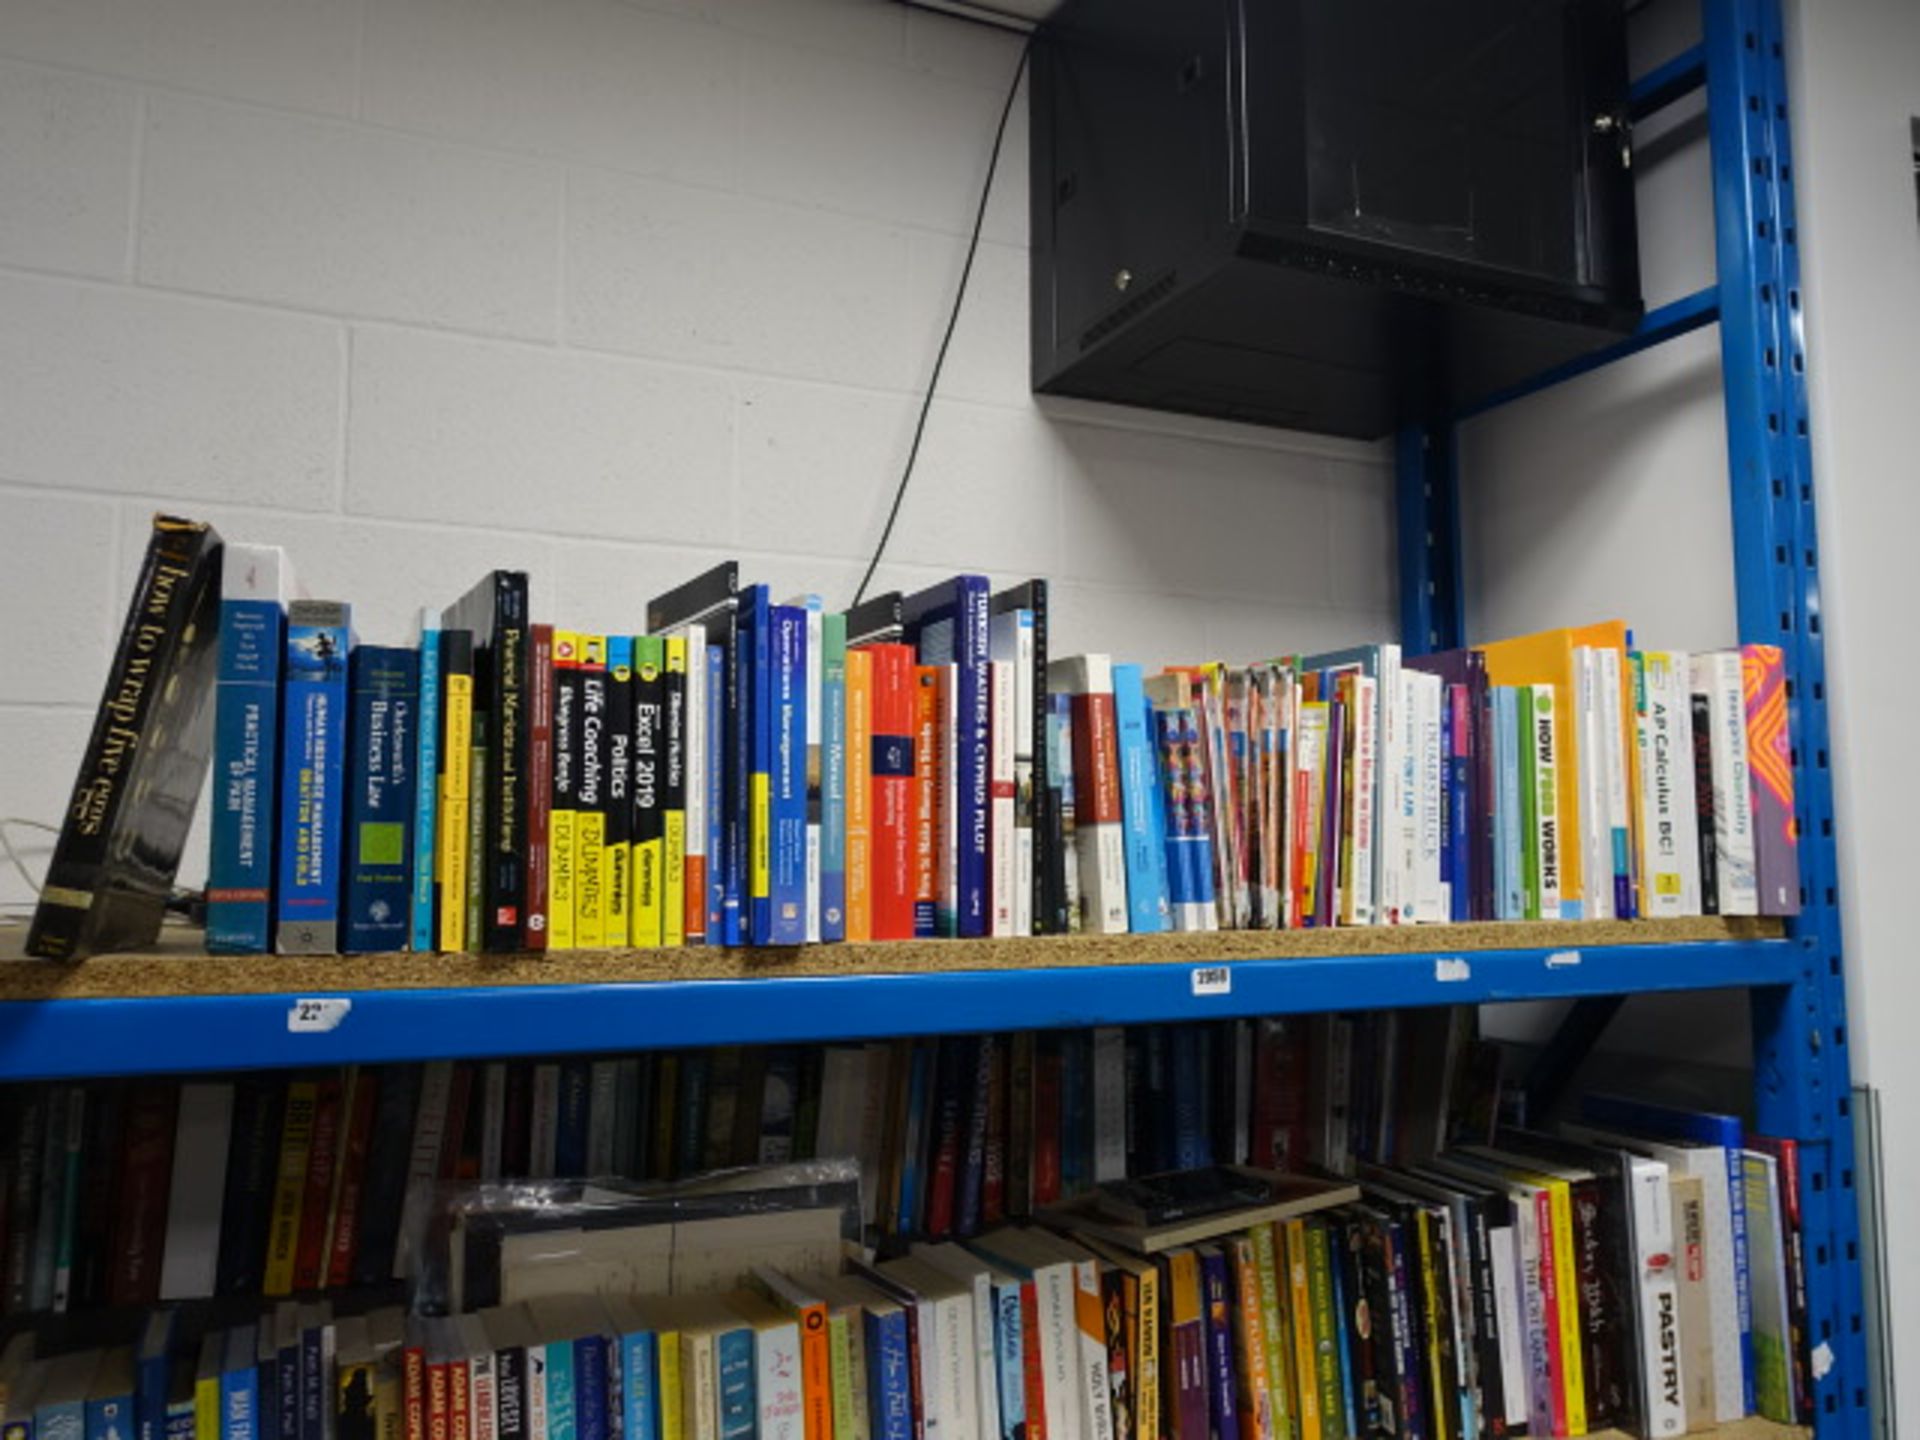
893,779
929,703
816,1373
859,794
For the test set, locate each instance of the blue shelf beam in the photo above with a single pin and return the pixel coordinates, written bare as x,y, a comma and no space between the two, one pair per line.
70,1039
1668,322
1664,84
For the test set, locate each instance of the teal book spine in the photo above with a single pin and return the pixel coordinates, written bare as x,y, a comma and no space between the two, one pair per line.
739,1404
425,797
1149,905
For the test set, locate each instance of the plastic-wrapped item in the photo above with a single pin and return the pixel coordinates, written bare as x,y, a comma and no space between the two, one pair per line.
501,1242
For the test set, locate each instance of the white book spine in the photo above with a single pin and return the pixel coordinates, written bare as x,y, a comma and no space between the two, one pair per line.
1060,1351
1533,1298
776,1355
1012,640
536,1392
602,1097
1366,818
702,1386
423,1163
1650,1217
1717,676
1665,772
1407,799
493,1118
1548,836
1507,1306
1390,727
936,1417
1598,879
197,1191
1433,905
480,1395
1001,868
959,1367
1723,1283
986,1374
1616,739
1109,1104
1096,1393
543,1121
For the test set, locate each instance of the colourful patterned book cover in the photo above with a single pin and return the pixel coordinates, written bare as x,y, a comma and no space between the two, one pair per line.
1776,839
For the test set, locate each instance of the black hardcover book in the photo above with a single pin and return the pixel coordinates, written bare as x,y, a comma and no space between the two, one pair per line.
253,1161
877,620
99,1188
385,1183
27,1135
1703,803
495,611
1049,848
646,820
456,658
113,866
704,598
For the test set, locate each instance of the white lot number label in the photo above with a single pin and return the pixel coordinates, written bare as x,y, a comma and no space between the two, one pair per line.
1212,980
316,1017
1451,970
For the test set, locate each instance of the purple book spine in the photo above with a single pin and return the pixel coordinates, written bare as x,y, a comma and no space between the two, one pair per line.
1218,1296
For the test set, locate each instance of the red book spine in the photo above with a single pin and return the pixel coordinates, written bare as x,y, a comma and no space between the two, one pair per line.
1096,761
439,1405
533,930
317,1198
146,1168
993,1165
459,1421
893,784
929,704
946,1148
1032,1376
345,1243
1046,1122
413,1392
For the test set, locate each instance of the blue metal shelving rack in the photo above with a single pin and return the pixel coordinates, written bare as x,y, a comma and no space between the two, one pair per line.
1798,1003
1799,1028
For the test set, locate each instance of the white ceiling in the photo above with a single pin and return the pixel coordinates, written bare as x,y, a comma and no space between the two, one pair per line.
1022,13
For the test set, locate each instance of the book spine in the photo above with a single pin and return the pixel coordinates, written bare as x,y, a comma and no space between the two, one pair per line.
833,779
1763,682
350,1188
648,823
1547,836
813,693
928,707
506,880
718,758
323,1156
790,892
1097,814
454,786
736,1406
946,907
859,794
754,664
1217,1304
380,799
296,1140
777,1384
1254,1397
1001,883
312,777
1149,907
1459,817
673,795
616,854
1718,676
889,1386
590,800
534,930
892,806
972,755
245,812
592,1419
476,873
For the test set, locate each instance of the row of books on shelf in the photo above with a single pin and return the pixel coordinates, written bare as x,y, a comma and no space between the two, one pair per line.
740,771
1643,1263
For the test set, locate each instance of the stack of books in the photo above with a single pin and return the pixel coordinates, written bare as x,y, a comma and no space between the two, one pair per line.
742,771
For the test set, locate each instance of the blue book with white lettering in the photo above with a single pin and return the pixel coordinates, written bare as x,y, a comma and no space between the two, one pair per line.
255,585
787,883
949,624
426,767
240,1386
889,1384
734,1365
591,1418
561,1423
380,798
833,779
1700,1127
110,1413
639,1386
313,756
153,1369
1149,906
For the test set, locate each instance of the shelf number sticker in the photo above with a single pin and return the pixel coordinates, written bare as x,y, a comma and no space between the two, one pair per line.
1212,980
1450,970
1563,959
317,1017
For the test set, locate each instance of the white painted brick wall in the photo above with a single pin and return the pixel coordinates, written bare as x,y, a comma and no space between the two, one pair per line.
606,290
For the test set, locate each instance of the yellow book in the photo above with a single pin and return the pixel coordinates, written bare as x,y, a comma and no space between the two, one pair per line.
1547,659
590,824
672,1387
1439,1380
859,795
290,1181
206,1388
649,791
561,839
616,745
674,796
1273,1329
453,825
1252,1375
1306,1389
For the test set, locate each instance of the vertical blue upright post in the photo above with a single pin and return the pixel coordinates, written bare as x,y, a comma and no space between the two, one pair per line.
1432,611
1802,1081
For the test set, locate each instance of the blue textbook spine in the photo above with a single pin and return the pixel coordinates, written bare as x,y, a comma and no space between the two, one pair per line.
380,798
246,739
561,1423
787,922
1149,907
590,1376
313,776
889,1385
739,1402
571,1128
833,779
240,1387
426,767
639,1394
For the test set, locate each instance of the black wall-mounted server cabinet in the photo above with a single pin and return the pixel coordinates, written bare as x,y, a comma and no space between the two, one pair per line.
1331,215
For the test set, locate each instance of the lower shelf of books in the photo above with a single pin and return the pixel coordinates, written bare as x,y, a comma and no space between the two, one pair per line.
178,1009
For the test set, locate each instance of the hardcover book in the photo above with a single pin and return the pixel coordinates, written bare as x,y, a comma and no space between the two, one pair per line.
313,776
385,691
948,625
120,840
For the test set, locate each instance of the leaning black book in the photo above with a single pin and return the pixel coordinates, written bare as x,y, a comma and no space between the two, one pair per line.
495,610
140,779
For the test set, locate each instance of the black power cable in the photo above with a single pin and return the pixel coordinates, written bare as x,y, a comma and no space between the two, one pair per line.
953,319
